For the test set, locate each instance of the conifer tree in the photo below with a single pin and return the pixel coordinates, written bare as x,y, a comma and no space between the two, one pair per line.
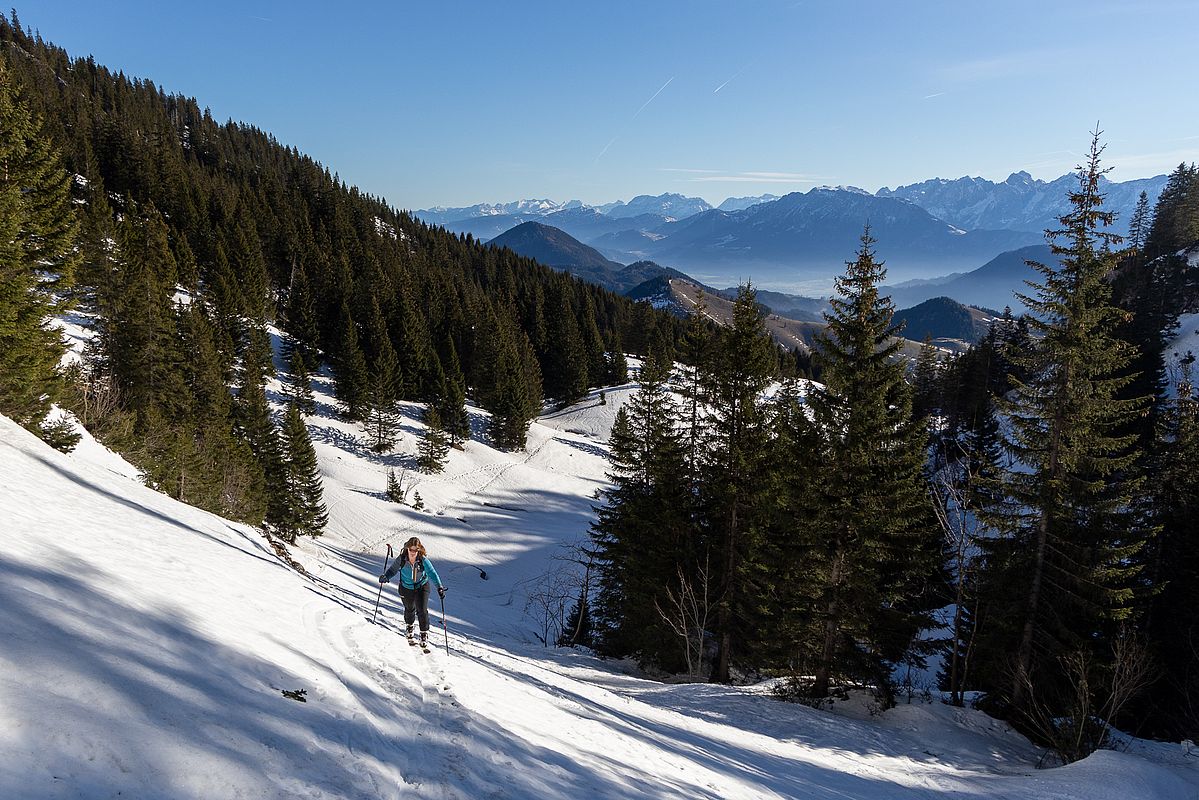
1138,224
298,388
38,232
221,473
185,263
564,369
452,401
300,316
926,382
413,340
226,296
697,344
793,470
138,331
98,243
1173,566
1176,214
384,386
593,345
508,382
303,512
736,454
351,380
255,428
249,265
617,366
395,489
1063,573
434,444
257,357
643,535
868,537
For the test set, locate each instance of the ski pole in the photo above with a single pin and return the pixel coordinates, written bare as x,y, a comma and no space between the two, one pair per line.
444,629
380,597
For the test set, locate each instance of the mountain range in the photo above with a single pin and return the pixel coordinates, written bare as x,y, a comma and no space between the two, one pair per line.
798,241
792,320
1019,203
994,285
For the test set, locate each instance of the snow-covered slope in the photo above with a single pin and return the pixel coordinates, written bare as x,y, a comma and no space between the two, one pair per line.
1186,340
146,646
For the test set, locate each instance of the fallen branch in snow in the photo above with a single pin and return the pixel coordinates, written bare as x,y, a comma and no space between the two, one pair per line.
281,551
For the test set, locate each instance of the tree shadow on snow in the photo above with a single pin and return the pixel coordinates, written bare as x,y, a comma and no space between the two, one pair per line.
173,704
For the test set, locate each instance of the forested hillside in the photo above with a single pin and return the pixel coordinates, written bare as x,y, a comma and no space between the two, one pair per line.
187,239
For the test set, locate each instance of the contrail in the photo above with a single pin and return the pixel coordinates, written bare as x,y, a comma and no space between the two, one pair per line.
626,125
609,144
647,102
730,80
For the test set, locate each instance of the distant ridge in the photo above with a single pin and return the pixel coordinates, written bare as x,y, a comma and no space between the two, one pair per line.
556,248
993,285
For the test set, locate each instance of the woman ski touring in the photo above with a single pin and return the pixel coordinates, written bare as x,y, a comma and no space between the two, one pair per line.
416,571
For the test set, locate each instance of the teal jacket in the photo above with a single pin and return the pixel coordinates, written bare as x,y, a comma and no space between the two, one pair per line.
413,576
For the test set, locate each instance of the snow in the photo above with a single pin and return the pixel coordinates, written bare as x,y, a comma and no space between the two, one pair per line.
146,647
1186,340
384,228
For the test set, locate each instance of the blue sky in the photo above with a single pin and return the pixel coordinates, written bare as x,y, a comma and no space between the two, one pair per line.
454,103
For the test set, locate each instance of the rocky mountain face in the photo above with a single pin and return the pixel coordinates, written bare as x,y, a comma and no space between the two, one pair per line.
1019,203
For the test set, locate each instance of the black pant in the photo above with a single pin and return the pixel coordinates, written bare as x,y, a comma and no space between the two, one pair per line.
416,604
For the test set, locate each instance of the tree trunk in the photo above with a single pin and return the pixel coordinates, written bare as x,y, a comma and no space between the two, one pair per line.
726,605
829,645
1024,653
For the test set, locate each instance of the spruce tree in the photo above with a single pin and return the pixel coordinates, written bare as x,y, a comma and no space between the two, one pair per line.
384,384
255,428
452,402
298,387
617,366
565,367
593,345
350,377
299,318
434,444
796,462
643,535
926,387
1176,214
508,382
38,233
868,538
1172,564
395,489
736,453
1063,573
697,347
137,330
1138,224
229,305
304,511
